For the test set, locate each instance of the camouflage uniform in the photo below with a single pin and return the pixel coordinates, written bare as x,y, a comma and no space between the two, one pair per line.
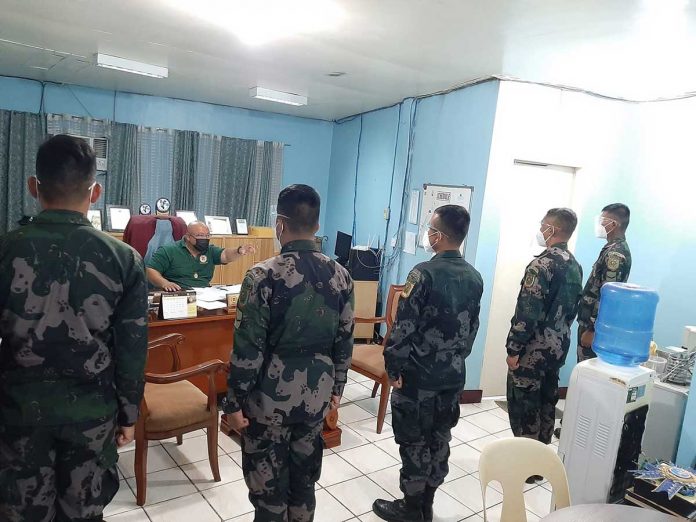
73,304
540,335
292,348
612,266
436,324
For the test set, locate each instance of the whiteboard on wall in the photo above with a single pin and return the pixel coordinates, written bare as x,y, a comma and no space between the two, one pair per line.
435,196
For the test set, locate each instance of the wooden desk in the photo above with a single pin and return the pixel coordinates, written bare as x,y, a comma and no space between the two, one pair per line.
210,336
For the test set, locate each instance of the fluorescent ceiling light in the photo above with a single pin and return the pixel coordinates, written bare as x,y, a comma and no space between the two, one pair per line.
261,93
131,66
256,22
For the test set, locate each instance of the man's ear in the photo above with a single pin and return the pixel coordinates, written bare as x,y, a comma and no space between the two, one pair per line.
96,193
33,185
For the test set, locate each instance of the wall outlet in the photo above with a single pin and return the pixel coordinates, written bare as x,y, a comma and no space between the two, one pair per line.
386,213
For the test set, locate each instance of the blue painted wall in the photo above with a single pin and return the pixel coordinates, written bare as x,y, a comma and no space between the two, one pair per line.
687,445
306,160
451,145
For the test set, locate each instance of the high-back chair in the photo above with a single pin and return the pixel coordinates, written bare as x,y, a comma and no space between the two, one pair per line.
368,359
511,462
172,406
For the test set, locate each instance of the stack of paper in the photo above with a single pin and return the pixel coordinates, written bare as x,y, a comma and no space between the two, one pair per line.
210,294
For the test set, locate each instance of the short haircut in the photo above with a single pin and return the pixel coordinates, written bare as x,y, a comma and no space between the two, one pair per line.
65,167
454,221
620,212
565,218
301,205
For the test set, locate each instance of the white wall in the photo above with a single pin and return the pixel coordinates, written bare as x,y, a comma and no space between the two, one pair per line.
639,154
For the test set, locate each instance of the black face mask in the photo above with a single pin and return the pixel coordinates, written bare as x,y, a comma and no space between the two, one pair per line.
202,245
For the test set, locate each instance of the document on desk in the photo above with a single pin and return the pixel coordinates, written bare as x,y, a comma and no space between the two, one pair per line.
211,305
210,294
231,289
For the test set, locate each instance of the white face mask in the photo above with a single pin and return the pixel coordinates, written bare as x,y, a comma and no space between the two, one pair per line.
427,244
600,229
540,239
278,235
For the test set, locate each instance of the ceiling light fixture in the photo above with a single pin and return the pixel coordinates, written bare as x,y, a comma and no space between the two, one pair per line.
261,93
131,66
256,22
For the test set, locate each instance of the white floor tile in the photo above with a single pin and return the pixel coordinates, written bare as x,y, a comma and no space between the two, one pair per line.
329,509
468,409
355,392
247,517
202,476
505,434
166,485
350,439
122,502
481,443
229,500
358,494
184,509
388,479
229,444
370,517
368,458
465,457
334,470
157,460
390,446
500,413
466,431
192,450
447,509
474,518
455,472
489,422
487,404
136,515
350,413
493,514
388,419
467,490
538,501
372,405
368,430
356,377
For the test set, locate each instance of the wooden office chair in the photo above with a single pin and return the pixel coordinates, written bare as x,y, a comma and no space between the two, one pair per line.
172,406
368,359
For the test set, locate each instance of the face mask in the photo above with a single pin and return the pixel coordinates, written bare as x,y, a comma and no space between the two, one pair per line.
600,231
540,239
202,245
427,245
278,235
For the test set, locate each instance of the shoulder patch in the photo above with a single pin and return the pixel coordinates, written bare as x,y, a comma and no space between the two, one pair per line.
414,277
530,278
613,261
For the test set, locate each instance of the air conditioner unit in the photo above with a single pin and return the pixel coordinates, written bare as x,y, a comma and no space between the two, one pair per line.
101,149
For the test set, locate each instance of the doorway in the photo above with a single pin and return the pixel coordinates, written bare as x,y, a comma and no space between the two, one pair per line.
530,189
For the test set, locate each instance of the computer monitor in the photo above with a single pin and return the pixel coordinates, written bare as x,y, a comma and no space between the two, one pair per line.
343,245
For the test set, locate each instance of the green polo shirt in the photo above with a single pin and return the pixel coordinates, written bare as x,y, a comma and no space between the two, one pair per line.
177,265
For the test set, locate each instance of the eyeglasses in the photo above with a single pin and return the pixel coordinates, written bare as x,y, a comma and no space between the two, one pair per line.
200,236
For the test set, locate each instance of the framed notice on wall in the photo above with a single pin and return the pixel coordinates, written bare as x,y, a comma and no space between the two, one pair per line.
436,196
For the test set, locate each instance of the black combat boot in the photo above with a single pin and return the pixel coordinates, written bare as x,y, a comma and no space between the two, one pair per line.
407,509
428,499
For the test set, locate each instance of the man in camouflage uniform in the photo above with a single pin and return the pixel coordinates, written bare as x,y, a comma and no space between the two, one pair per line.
539,338
613,265
73,304
293,343
436,324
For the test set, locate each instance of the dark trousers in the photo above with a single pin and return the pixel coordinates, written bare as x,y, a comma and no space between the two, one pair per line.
57,473
422,421
281,465
532,405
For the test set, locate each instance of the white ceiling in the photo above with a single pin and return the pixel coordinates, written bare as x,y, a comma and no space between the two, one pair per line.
390,49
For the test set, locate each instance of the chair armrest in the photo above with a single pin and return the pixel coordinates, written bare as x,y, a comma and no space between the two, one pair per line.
208,367
371,320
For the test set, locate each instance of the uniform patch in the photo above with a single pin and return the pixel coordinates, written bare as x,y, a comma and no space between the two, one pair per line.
412,280
530,279
613,262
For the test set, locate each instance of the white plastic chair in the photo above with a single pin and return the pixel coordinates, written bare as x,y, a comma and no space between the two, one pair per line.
511,462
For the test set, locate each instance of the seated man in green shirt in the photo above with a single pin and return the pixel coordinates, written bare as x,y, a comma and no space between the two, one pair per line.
190,262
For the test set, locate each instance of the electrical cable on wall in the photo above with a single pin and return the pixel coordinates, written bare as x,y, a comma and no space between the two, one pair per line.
355,186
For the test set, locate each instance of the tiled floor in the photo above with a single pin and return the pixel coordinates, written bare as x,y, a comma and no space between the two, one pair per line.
365,467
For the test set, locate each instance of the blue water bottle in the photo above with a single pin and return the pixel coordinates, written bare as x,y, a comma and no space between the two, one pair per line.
624,326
